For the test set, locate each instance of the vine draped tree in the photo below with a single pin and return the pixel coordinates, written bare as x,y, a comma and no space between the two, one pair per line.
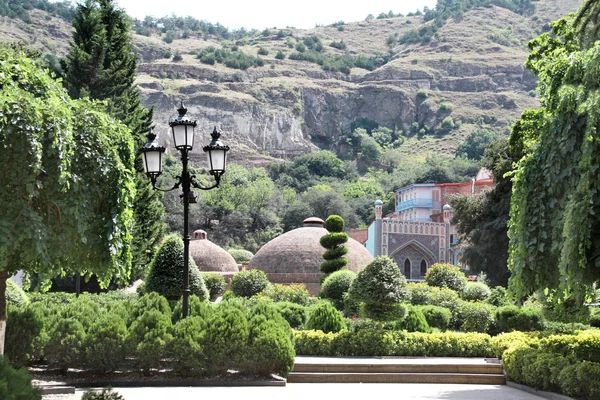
555,207
101,64
67,181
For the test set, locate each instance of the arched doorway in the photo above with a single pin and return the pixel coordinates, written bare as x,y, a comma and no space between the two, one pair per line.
407,268
423,267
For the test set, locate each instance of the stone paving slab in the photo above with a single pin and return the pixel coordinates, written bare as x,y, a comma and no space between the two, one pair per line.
347,391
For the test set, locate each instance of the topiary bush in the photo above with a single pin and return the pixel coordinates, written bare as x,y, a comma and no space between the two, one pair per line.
215,284
166,271
149,301
334,243
381,287
104,345
66,344
294,293
336,285
326,318
14,294
197,308
581,380
513,318
186,348
437,317
16,384
23,326
249,282
225,338
148,338
498,297
476,291
446,276
415,321
475,317
294,314
240,255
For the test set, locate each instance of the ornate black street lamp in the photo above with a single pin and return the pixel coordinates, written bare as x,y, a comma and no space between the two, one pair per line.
182,129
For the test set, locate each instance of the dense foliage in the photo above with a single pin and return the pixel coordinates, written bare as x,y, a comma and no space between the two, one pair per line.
555,208
446,276
334,242
166,271
16,384
247,283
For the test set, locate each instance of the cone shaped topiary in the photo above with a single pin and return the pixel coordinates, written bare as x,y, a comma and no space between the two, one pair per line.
166,271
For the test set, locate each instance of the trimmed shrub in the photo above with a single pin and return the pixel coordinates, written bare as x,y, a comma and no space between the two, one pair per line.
166,271
225,338
23,325
415,321
498,297
16,384
393,343
215,284
326,318
585,346
293,293
558,328
65,346
104,346
240,255
437,317
381,287
581,380
505,341
513,318
446,276
249,282
15,295
476,317
186,348
105,394
150,301
334,243
336,285
198,308
294,314
148,338
476,291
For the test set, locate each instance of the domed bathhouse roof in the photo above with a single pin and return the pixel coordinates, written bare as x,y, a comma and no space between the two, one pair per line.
209,257
296,256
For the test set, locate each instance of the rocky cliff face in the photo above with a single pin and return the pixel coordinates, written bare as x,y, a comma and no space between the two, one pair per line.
472,72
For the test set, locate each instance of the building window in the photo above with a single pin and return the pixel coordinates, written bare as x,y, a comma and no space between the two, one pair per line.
407,268
423,267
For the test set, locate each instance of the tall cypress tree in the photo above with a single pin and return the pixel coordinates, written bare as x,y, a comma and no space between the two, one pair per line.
101,64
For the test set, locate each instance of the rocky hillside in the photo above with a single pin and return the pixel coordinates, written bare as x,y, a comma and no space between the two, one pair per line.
471,75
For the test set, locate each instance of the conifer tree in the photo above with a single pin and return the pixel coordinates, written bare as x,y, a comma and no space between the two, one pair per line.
101,64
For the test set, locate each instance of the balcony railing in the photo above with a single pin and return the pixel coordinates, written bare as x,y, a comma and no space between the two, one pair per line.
415,203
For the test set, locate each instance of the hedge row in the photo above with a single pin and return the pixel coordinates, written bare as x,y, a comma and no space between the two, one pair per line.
112,335
370,342
568,364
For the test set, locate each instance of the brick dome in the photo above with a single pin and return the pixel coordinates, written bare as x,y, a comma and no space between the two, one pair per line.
296,256
209,257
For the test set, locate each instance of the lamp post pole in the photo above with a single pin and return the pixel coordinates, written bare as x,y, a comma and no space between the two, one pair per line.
182,129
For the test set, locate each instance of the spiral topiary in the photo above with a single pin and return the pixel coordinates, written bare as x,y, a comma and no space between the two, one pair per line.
334,243
166,271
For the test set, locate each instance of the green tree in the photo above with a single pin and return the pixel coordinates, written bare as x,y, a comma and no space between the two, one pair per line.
473,147
101,64
67,182
555,208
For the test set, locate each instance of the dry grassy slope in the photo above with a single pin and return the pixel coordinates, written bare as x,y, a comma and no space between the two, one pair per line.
281,109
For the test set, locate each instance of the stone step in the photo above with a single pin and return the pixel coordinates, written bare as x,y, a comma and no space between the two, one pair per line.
396,377
398,368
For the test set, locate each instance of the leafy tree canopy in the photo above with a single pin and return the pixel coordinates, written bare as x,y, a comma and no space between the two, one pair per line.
555,210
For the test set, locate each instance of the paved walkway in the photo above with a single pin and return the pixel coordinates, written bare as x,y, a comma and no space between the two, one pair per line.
318,391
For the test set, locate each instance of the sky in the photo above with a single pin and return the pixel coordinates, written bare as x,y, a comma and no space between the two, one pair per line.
260,14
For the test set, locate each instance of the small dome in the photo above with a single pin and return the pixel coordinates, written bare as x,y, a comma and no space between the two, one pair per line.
378,202
314,221
296,256
447,207
208,256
